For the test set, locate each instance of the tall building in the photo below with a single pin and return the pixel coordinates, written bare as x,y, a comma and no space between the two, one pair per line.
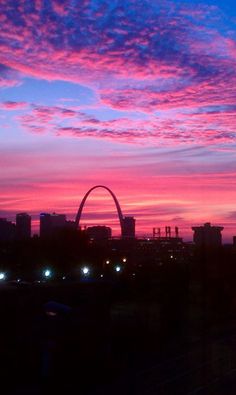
50,223
128,230
7,230
207,235
23,226
45,225
99,232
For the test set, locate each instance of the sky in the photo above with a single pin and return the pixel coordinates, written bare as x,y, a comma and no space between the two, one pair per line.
137,95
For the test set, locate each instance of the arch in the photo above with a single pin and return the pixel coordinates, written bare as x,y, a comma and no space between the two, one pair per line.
119,212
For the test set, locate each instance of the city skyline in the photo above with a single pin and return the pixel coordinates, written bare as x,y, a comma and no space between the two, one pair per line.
50,223
138,96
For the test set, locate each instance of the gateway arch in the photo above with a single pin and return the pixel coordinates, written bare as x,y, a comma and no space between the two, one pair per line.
118,208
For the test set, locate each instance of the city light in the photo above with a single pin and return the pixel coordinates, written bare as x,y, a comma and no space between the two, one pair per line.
47,273
85,270
117,269
2,276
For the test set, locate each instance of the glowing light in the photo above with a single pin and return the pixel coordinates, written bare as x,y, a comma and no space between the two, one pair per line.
117,269
2,276
124,260
101,276
171,257
107,262
85,270
47,273
51,313
64,277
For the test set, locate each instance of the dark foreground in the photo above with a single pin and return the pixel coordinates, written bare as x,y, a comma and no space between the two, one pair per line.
114,338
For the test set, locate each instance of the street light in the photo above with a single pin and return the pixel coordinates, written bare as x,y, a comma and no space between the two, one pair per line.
117,269
2,276
124,260
47,273
85,270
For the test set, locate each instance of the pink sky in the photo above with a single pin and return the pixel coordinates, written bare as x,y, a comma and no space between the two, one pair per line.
139,97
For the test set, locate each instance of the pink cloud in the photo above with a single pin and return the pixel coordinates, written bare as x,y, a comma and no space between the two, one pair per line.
231,46
219,92
60,7
104,57
151,66
11,105
201,127
8,83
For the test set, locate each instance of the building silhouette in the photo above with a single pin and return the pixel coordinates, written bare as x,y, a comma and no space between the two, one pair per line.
128,229
99,232
207,235
161,250
70,225
7,230
51,223
23,226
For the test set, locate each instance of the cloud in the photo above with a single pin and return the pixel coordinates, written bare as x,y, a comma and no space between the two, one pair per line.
11,105
218,90
204,127
173,62
8,77
94,39
170,61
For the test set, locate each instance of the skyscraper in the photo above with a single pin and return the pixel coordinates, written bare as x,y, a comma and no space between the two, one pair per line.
23,226
50,223
128,230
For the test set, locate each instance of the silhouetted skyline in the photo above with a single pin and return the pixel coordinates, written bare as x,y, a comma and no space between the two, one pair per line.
139,96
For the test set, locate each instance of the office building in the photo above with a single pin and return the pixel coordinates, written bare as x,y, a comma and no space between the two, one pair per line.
99,232
128,230
51,223
23,226
7,230
207,235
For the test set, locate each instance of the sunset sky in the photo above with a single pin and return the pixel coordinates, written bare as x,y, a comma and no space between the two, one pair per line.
138,95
